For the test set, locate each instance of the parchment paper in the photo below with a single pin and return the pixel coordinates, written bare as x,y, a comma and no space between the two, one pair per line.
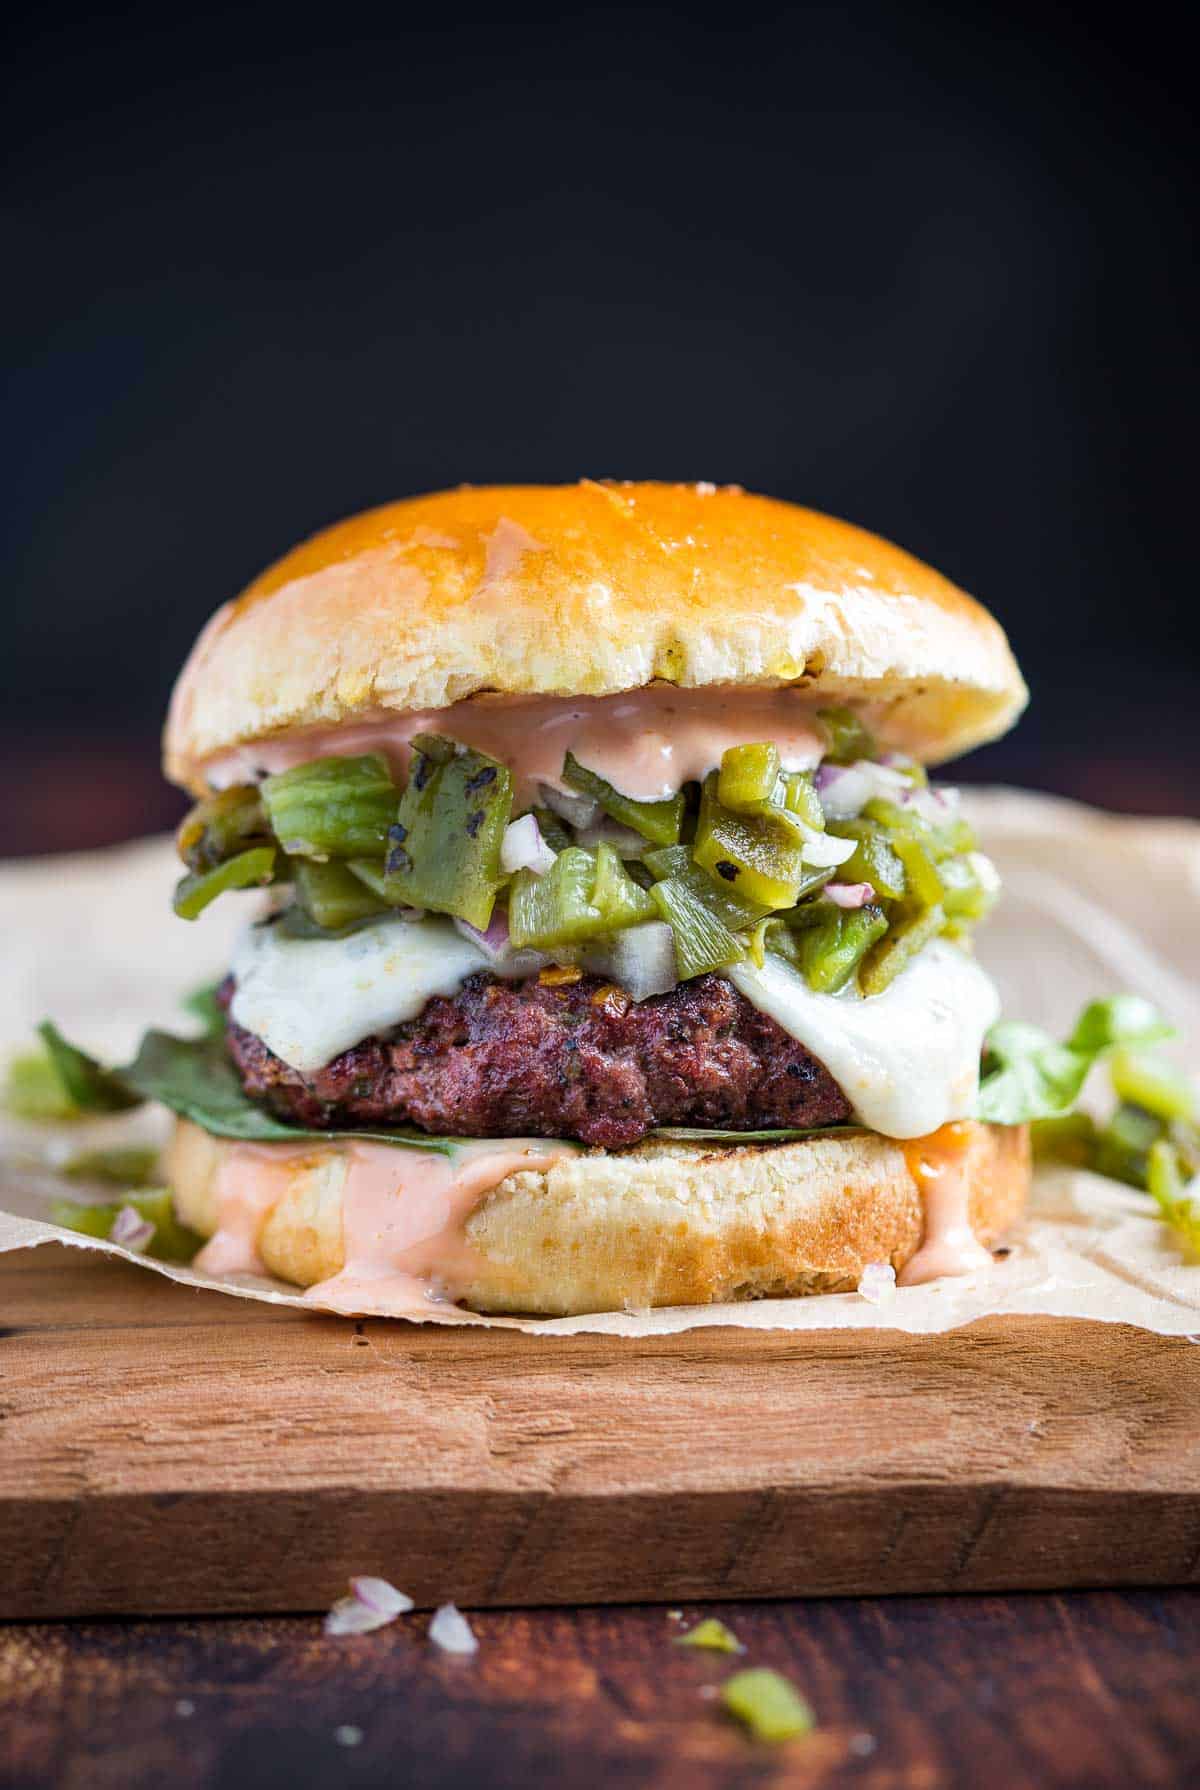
1092,904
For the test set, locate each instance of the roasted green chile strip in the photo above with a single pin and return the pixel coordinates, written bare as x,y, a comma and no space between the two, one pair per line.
581,896
333,807
659,822
332,896
222,826
194,892
443,852
702,940
749,777
757,855
903,940
831,951
848,739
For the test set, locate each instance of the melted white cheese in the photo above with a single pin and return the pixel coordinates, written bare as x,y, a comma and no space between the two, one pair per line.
310,999
907,1060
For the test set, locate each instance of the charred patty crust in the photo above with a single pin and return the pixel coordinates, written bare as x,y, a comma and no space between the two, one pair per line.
573,1060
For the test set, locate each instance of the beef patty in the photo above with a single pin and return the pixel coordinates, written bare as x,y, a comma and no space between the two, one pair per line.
579,1060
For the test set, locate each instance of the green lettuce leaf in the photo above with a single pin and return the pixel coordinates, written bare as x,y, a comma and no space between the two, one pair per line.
195,1078
1027,1075
701,1134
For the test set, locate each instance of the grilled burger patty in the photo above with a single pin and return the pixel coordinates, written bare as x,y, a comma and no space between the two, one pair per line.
577,1060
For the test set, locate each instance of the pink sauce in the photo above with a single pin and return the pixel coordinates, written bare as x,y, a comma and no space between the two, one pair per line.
404,1218
647,743
939,1164
250,1179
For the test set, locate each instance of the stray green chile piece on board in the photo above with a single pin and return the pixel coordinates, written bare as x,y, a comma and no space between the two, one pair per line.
1150,1081
659,822
767,1704
332,807
33,1088
444,850
170,1242
194,892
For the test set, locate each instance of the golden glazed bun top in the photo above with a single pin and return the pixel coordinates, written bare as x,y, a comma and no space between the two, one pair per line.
590,590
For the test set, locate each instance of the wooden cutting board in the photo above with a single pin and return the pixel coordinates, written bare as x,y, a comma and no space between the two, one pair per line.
164,1450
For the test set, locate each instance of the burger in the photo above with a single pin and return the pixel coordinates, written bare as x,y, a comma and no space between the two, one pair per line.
615,949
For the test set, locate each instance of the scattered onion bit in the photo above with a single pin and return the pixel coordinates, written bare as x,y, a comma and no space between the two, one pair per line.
613,1000
560,975
450,1630
711,1633
372,1604
767,1704
877,1282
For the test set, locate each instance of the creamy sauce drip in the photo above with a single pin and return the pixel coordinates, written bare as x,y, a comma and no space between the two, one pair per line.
940,1166
404,1221
251,1179
907,1060
646,743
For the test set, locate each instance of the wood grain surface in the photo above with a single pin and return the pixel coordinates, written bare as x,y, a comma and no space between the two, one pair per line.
167,1451
1090,1691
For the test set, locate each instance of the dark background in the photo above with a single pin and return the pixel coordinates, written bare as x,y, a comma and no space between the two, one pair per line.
931,272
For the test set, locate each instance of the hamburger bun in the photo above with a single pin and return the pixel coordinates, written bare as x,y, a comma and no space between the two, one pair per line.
662,1224
591,590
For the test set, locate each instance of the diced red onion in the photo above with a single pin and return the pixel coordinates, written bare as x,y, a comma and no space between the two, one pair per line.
577,811
523,847
450,1630
503,959
848,894
877,1283
372,1604
640,959
130,1229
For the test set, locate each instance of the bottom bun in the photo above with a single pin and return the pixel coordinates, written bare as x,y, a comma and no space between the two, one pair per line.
662,1224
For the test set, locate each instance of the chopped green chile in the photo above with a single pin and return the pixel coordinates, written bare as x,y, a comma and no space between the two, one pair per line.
730,908
125,1165
848,738
904,938
33,1088
965,897
659,822
332,896
1123,1145
922,880
333,807
444,850
371,873
1071,1138
170,1242
874,861
552,829
801,798
221,826
765,1703
703,942
194,891
758,855
1154,1083
748,777
581,896
831,951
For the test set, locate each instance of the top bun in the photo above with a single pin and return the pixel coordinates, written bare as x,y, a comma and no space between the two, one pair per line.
590,590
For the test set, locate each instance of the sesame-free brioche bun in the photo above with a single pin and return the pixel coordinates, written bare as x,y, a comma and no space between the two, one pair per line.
661,1224
590,590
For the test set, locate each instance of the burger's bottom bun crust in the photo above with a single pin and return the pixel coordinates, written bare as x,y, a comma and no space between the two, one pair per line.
662,1224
